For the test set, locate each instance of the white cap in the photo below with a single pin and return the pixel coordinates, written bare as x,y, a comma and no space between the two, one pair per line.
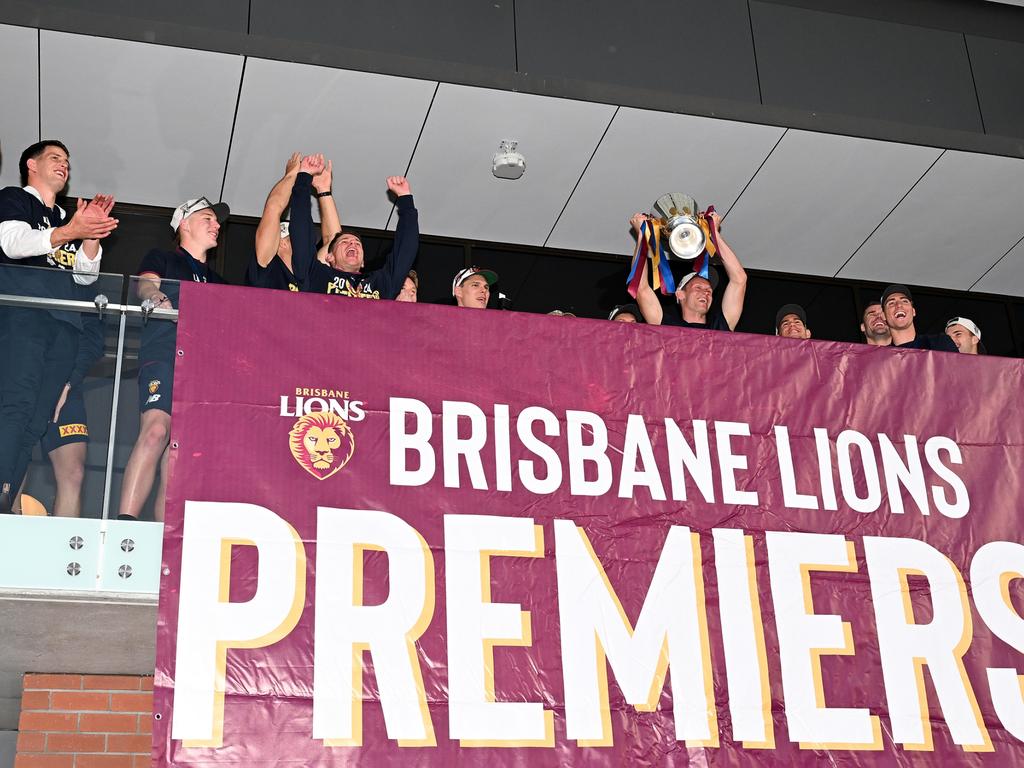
463,275
195,205
284,229
968,324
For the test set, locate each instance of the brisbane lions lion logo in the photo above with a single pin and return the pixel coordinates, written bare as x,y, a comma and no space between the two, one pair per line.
322,443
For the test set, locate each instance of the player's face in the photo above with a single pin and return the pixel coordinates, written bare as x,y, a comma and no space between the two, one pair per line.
696,295
51,169
408,292
202,228
899,312
874,325
792,327
347,254
474,292
965,341
624,317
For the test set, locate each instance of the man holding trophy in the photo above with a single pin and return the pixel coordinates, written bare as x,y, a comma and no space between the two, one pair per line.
675,246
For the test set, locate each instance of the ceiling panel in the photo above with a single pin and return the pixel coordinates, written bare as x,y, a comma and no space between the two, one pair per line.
818,197
19,118
451,173
1006,277
646,154
955,224
149,124
366,124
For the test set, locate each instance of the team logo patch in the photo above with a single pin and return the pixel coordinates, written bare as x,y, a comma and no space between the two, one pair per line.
322,443
69,430
154,385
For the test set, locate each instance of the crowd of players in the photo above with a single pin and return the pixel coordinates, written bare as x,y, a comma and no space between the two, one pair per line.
46,353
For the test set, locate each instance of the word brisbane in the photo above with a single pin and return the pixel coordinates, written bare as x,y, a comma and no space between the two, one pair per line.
579,453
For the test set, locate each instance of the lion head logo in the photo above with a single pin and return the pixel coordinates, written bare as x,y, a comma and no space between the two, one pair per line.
322,443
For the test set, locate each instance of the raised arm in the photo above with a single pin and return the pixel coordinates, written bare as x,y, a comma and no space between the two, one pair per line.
407,238
330,222
736,290
646,298
268,232
301,227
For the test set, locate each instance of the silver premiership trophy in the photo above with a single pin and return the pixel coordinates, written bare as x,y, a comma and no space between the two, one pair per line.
679,216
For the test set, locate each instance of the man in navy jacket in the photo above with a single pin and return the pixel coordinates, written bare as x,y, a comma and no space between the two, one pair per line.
343,274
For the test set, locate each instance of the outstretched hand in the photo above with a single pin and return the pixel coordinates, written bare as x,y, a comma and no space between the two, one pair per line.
100,206
322,181
311,164
636,220
399,185
291,167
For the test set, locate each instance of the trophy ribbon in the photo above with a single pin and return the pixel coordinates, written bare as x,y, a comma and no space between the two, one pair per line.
650,244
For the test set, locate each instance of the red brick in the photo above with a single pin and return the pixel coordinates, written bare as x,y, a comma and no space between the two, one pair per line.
103,761
135,744
43,761
145,723
80,701
103,723
35,700
111,682
146,683
31,742
48,721
76,742
131,702
53,682
144,761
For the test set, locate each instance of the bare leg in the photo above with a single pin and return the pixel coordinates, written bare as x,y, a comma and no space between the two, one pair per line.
69,472
154,432
161,490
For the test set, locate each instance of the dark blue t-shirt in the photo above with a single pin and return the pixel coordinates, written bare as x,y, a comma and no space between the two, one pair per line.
715,320
158,335
275,275
936,341
54,278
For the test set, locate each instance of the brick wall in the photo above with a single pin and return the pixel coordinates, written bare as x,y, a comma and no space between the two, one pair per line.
85,721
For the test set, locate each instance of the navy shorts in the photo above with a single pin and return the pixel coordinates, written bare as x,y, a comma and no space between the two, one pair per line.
70,427
156,382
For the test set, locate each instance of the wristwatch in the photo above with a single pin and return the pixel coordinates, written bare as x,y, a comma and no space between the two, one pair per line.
324,194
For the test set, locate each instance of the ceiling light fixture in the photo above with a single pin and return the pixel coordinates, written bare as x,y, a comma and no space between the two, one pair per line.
508,163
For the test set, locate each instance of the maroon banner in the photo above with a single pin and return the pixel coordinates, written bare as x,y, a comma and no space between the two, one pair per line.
418,535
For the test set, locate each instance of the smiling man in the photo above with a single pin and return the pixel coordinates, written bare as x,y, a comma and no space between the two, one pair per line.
341,272
898,306
873,325
694,294
196,224
38,347
791,322
472,287
966,334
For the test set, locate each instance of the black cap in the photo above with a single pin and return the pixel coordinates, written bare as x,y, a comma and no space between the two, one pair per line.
790,309
627,309
896,288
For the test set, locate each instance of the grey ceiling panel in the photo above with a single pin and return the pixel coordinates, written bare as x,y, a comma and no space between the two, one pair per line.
1006,277
646,46
451,173
225,15
465,31
854,66
957,222
646,154
999,75
149,124
19,118
366,124
818,197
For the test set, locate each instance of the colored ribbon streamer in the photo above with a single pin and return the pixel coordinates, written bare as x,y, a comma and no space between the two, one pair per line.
651,245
